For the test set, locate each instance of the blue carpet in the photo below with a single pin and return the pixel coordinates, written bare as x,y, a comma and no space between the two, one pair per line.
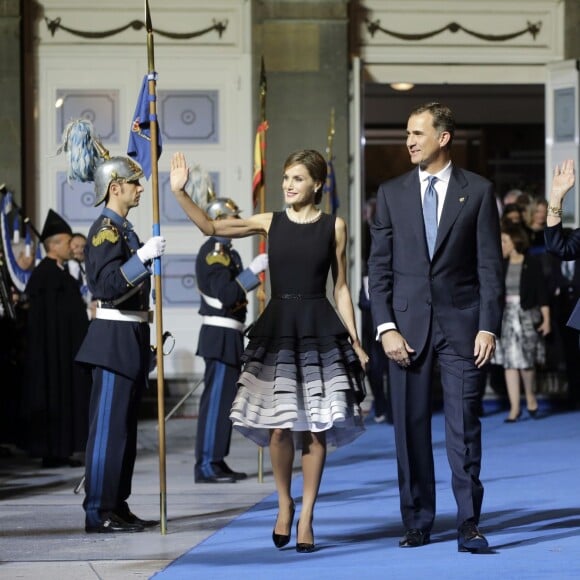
531,515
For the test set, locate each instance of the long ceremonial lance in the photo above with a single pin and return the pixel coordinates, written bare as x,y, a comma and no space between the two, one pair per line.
262,244
157,268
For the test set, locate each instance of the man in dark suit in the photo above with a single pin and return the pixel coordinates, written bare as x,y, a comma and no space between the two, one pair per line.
436,287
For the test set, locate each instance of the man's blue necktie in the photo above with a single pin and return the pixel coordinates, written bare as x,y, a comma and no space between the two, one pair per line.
430,214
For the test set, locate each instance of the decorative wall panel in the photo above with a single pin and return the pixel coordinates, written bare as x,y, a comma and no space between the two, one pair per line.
99,107
189,117
564,106
75,201
179,281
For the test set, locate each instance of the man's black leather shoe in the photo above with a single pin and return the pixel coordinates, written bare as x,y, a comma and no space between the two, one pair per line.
129,517
222,478
414,538
470,539
226,470
113,524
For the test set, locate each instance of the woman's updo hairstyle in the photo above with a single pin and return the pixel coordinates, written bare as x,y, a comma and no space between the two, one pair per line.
314,163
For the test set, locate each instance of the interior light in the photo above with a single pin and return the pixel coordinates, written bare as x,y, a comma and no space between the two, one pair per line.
402,86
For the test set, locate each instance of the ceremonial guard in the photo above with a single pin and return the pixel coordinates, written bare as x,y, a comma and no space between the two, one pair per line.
117,345
223,284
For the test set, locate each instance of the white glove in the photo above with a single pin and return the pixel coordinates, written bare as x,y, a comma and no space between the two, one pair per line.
259,264
152,248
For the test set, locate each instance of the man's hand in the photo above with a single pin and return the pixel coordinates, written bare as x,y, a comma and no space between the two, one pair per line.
152,248
396,347
179,173
259,264
484,348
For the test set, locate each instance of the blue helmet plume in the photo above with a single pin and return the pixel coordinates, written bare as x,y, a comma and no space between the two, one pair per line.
83,151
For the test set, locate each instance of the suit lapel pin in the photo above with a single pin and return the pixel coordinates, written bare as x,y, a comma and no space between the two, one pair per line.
461,199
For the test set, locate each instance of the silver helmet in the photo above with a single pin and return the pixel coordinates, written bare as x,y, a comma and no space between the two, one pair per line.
121,169
222,207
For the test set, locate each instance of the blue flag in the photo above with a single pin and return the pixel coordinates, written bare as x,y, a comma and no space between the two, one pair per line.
139,146
330,187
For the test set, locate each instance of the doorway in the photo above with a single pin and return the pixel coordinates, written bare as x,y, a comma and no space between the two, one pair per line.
500,132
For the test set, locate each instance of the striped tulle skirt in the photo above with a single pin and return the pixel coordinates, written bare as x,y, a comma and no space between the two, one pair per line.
306,384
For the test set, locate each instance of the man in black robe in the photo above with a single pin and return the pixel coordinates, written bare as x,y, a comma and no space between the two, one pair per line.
56,390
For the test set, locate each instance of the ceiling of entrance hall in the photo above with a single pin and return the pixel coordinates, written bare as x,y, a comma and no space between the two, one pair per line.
472,104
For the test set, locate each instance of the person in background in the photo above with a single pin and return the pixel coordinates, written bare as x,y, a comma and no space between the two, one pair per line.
565,279
436,287
565,244
526,320
536,222
301,382
76,267
511,196
377,369
57,391
512,213
223,285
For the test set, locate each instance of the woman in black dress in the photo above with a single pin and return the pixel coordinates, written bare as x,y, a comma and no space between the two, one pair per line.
301,380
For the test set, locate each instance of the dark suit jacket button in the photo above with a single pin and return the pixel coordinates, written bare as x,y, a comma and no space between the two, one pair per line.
428,301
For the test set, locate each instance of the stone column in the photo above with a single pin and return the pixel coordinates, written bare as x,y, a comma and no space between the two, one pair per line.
11,148
305,49
571,27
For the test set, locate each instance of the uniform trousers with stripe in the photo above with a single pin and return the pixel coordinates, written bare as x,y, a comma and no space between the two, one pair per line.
112,444
214,428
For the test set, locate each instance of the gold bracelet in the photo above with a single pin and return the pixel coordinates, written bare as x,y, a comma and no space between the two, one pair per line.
554,211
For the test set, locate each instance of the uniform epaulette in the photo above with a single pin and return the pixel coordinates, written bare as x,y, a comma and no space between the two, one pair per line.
218,258
108,232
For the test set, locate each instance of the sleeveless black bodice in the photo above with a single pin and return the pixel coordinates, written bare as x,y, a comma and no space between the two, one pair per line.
300,257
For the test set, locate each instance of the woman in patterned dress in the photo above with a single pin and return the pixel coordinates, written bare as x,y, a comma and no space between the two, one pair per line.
301,382
526,320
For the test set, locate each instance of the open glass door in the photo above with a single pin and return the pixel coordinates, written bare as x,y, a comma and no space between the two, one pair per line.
356,180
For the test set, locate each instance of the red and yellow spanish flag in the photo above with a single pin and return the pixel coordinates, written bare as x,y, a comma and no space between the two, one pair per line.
258,182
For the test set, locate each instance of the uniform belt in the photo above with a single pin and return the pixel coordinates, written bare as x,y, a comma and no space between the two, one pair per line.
124,315
210,301
223,321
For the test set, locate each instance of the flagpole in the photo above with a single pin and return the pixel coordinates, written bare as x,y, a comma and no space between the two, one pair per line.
329,141
152,76
262,245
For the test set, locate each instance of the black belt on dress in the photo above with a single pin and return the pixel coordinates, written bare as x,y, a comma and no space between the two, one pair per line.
299,296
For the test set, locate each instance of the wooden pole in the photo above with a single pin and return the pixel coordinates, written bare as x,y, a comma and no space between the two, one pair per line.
152,79
262,245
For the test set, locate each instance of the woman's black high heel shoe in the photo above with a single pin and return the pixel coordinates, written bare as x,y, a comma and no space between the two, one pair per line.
301,547
515,419
280,540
